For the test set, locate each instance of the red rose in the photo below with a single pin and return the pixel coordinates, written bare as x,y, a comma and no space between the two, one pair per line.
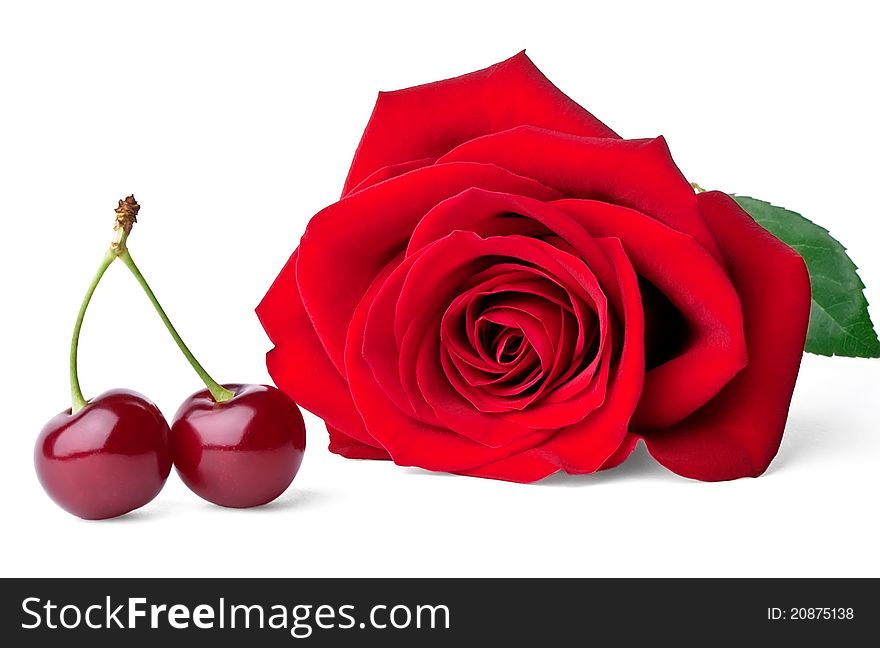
507,289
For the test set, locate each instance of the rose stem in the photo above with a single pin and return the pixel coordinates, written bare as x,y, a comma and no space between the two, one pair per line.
126,216
218,392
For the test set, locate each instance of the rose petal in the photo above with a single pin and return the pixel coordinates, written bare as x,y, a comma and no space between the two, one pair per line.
391,171
298,364
492,213
587,445
459,321
432,281
463,376
622,453
588,395
272,311
382,351
540,326
523,468
429,279
408,441
737,433
640,174
496,213
429,120
348,243
454,410
344,445
464,353
699,288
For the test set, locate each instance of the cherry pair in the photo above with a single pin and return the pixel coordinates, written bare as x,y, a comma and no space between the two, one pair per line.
234,445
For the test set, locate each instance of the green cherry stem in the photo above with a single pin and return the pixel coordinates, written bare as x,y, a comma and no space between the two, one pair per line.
126,216
218,392
78,400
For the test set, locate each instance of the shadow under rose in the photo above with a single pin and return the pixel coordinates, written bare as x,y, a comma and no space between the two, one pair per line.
639,466
806,439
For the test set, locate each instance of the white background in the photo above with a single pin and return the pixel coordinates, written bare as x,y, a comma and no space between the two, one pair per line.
234,123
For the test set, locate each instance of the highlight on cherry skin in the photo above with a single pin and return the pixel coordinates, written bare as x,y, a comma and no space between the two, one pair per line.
109,458
241,452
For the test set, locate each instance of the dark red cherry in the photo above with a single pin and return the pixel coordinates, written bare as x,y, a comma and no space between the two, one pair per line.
109,458
241,452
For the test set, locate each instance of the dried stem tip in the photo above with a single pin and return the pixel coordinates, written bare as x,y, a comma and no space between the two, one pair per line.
126,214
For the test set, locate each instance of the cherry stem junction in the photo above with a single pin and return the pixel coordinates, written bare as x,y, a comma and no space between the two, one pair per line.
126,216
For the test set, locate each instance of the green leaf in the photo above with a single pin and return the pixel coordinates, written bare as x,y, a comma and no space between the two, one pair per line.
839,320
